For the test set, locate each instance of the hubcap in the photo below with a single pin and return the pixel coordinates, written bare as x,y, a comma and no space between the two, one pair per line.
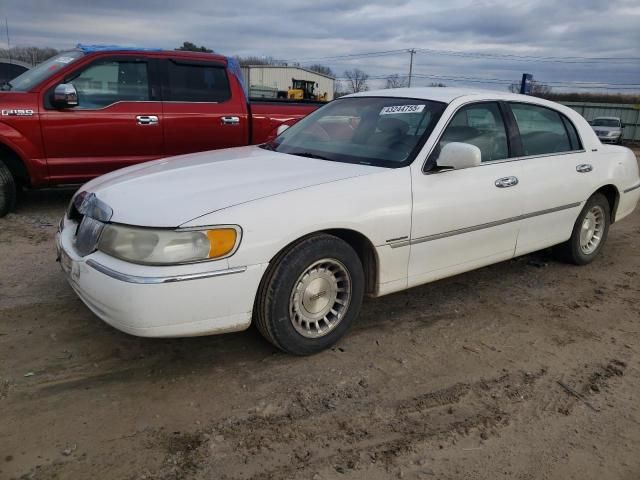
320,298
592,229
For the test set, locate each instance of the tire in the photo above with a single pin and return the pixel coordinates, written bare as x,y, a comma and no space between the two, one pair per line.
576,250
321,272
8,190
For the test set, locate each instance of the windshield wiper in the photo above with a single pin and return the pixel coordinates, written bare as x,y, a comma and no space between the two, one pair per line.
309,155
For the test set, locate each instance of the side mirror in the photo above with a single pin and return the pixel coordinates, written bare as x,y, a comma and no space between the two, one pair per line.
65,95
281,129
459,155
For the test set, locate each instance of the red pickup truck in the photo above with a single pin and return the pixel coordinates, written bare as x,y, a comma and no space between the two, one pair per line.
95,109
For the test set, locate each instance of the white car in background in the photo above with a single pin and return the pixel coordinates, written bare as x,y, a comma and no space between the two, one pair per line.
371,194
608,129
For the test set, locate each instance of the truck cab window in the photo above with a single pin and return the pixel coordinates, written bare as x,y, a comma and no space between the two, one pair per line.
197,83
107,82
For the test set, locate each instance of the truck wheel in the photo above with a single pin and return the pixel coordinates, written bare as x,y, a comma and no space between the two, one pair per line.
311,295
7,190
589,232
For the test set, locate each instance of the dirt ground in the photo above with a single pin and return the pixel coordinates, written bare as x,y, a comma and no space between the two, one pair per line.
459,379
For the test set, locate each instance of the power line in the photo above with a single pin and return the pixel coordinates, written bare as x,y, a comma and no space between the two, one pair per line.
504,81
529,58
460,53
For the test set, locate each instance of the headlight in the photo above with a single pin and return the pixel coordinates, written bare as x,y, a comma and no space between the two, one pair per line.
151,246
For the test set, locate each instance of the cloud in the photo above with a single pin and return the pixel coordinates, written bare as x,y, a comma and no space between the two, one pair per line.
294,30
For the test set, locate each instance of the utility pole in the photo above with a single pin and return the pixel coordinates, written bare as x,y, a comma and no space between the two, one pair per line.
6,26
412,52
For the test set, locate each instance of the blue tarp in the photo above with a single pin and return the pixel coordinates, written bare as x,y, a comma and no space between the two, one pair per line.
111,48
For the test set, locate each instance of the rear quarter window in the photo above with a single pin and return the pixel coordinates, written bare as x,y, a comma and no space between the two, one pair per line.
197,83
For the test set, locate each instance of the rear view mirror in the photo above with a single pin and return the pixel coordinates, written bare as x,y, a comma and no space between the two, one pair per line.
459,155
65,95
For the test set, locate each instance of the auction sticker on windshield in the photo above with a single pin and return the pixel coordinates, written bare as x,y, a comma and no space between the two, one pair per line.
401,109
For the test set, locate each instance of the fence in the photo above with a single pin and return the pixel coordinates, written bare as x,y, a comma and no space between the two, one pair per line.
629,114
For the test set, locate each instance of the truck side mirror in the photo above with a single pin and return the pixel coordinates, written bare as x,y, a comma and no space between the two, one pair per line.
65,95
281,129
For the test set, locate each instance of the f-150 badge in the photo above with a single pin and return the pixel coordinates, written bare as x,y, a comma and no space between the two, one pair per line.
17,113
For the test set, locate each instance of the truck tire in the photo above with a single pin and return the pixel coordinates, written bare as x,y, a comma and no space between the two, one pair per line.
310,296
8,190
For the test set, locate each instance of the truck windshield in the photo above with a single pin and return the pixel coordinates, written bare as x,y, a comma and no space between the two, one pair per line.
379,131
606,122
31,78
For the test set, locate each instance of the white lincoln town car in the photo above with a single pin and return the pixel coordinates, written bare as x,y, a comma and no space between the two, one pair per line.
371,194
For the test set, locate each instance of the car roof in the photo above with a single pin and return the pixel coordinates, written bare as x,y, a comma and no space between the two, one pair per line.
449,94
187,54
607,118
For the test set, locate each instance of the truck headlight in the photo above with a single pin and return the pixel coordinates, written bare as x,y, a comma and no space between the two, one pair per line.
151,246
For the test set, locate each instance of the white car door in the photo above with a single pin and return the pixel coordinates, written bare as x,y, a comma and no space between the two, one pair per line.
556,176
467,218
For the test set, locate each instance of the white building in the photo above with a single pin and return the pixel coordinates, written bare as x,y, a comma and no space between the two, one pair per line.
267,80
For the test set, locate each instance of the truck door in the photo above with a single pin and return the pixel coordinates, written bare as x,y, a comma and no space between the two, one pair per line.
118,120
204,108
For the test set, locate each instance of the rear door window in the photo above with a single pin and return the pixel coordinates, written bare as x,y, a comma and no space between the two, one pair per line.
542,130
197,83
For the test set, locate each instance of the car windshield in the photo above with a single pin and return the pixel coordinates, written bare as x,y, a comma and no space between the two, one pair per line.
31,78
379,131
606,122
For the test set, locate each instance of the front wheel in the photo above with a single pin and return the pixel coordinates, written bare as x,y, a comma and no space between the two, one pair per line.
589,232
8,190
311,295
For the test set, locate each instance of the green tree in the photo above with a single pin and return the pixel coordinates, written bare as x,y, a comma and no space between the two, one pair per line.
192,47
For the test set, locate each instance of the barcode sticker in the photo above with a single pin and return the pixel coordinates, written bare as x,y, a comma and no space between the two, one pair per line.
401,109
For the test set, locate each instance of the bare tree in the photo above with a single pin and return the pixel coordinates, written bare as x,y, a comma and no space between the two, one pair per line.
323,69
437,84
537,89
396,81
31,55
356,80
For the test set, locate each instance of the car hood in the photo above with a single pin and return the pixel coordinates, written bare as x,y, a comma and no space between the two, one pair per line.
173,191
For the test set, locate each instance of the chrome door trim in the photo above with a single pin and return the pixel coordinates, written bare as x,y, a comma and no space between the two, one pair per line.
147,119
506,182
631,189
460,231
124,277
230,120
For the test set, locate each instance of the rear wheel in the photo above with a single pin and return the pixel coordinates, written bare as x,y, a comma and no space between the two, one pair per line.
311,295
7,190
589,232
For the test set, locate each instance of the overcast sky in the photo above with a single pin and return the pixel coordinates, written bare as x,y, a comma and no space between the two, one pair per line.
307,30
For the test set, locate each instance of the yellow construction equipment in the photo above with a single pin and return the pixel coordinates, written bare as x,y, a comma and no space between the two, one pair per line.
305,90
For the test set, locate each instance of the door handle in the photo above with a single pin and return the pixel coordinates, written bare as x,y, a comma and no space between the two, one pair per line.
230,120
506,182
147,119
584,168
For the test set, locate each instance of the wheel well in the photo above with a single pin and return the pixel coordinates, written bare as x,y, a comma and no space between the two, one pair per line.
613,196
361,244
14,163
